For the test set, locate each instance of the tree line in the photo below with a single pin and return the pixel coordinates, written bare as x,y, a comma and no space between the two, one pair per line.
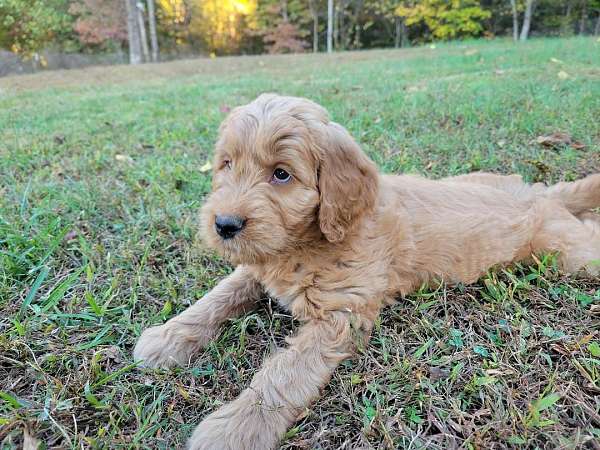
148,29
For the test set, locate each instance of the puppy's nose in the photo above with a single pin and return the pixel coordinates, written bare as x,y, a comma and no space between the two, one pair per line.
228,226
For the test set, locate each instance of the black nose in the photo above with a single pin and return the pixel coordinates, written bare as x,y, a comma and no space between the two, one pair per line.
229,226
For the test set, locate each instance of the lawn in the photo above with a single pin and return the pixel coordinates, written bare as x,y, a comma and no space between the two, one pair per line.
101,180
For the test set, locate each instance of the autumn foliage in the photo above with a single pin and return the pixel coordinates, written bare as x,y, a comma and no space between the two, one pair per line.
99,21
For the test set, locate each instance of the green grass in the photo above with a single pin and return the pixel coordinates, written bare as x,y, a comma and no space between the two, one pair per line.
99,192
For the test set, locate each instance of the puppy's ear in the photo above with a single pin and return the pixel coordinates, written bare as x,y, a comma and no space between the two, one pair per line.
348,183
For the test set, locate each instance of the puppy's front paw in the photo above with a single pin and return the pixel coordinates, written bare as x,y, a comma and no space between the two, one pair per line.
242,424
165,346
211,434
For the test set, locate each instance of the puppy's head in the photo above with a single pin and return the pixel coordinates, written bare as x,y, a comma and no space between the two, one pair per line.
284,175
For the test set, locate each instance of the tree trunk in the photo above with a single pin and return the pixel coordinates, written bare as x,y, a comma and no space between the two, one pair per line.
358,5
405,41
336,28
397,34
329,26
527,20
566,21
142,29
515,14
284,10
583,21
133,34
315,16
152,26
343,35
597,27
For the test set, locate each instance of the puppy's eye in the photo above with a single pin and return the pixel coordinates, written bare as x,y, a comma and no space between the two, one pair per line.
280,176
227,164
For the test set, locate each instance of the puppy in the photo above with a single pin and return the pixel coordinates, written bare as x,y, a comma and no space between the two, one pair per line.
303,214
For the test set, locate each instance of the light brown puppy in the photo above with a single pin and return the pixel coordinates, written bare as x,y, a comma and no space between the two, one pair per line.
304,215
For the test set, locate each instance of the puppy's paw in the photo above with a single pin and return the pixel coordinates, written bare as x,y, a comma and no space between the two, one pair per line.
165,346
212,434
239,425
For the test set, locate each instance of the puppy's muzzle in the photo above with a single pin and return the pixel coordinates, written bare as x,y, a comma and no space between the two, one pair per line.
228,226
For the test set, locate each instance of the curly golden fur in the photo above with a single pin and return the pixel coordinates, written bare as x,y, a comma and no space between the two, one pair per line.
336,242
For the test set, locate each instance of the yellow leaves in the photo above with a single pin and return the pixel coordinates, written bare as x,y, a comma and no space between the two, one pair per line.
563,75
174,10
219,21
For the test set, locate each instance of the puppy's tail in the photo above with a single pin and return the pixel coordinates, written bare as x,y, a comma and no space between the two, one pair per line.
578,196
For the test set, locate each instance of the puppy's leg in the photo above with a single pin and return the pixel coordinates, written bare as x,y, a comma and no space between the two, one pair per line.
178,339
286,385
576,240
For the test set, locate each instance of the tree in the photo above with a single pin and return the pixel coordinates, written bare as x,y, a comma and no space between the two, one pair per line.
314,12
133,33
529,5
28,26
329,26
100,22
446,19
515,16
142,30
152,27
222,25
284,39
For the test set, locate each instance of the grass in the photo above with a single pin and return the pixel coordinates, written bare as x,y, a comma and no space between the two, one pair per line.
100,184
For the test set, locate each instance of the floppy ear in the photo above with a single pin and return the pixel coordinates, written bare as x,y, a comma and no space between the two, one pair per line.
348,183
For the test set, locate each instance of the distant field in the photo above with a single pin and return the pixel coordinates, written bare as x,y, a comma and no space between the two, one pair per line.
100,185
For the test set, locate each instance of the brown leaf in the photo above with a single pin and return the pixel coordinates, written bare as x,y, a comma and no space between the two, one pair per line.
59,139
558,139
554,139
437,373
577,145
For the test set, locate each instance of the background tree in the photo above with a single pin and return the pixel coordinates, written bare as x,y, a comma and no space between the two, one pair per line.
314,12
529,5
446,19
515,16
152,28
27,26
219,27
100,23
133,33
329,26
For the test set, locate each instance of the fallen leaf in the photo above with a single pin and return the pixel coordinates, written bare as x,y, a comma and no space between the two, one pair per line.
206,167
563,75
124,158
471,52
59,139
437,373
558,139
556,60
71,235
415,88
